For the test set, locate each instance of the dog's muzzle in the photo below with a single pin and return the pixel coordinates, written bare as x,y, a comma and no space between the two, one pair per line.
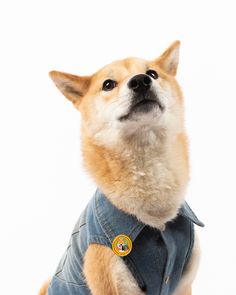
143,98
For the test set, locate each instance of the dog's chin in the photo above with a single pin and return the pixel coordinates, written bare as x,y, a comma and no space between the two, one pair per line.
144,110
142,124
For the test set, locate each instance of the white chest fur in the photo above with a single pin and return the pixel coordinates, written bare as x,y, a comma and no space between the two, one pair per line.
151,185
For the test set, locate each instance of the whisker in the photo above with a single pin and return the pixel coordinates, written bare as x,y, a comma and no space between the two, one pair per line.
117,101
118,97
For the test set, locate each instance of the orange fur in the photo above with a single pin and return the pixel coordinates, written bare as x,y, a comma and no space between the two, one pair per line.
44,288
186,291
99,258
110,274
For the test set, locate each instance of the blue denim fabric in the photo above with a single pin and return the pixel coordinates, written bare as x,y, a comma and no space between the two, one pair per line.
157,258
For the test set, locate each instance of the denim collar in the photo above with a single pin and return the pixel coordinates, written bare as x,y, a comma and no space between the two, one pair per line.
115,222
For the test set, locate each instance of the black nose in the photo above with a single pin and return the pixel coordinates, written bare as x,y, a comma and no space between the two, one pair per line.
140,83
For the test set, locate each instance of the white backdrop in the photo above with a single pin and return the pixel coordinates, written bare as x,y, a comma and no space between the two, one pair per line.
43,187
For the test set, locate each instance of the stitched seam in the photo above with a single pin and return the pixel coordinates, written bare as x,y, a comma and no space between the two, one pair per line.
64,261
167,263
78,285
105,226
137,228
190,244
98,240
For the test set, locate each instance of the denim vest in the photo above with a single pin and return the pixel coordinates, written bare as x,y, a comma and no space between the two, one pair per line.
157,258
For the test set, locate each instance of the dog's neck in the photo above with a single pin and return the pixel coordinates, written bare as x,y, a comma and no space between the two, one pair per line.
145,181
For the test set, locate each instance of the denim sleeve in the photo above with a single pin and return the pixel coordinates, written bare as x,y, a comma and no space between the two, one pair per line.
69,278
61,287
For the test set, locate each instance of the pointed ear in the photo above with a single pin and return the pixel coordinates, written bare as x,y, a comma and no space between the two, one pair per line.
169,59
72,86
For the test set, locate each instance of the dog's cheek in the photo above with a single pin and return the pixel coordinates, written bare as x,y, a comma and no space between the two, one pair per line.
111,110
99,123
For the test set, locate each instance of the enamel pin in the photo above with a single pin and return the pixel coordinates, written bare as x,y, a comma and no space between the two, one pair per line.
122,245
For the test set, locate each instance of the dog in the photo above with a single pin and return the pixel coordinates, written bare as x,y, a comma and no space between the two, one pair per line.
136,236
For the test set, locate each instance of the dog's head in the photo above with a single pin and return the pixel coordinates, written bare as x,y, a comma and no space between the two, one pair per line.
131,98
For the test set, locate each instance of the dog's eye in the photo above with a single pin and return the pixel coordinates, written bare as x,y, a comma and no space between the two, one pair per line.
152,74
108,85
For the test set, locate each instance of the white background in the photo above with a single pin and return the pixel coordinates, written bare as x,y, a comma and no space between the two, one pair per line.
43,187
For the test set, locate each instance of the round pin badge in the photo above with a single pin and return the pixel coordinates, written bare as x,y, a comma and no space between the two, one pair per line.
122,245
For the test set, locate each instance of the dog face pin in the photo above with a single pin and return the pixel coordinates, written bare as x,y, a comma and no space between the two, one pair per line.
122,245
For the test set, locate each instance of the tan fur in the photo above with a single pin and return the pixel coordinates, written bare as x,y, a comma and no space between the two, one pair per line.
99,258
188,291
111,273
44,288
141,166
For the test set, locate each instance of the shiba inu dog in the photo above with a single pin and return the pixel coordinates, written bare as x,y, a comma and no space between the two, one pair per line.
136,235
